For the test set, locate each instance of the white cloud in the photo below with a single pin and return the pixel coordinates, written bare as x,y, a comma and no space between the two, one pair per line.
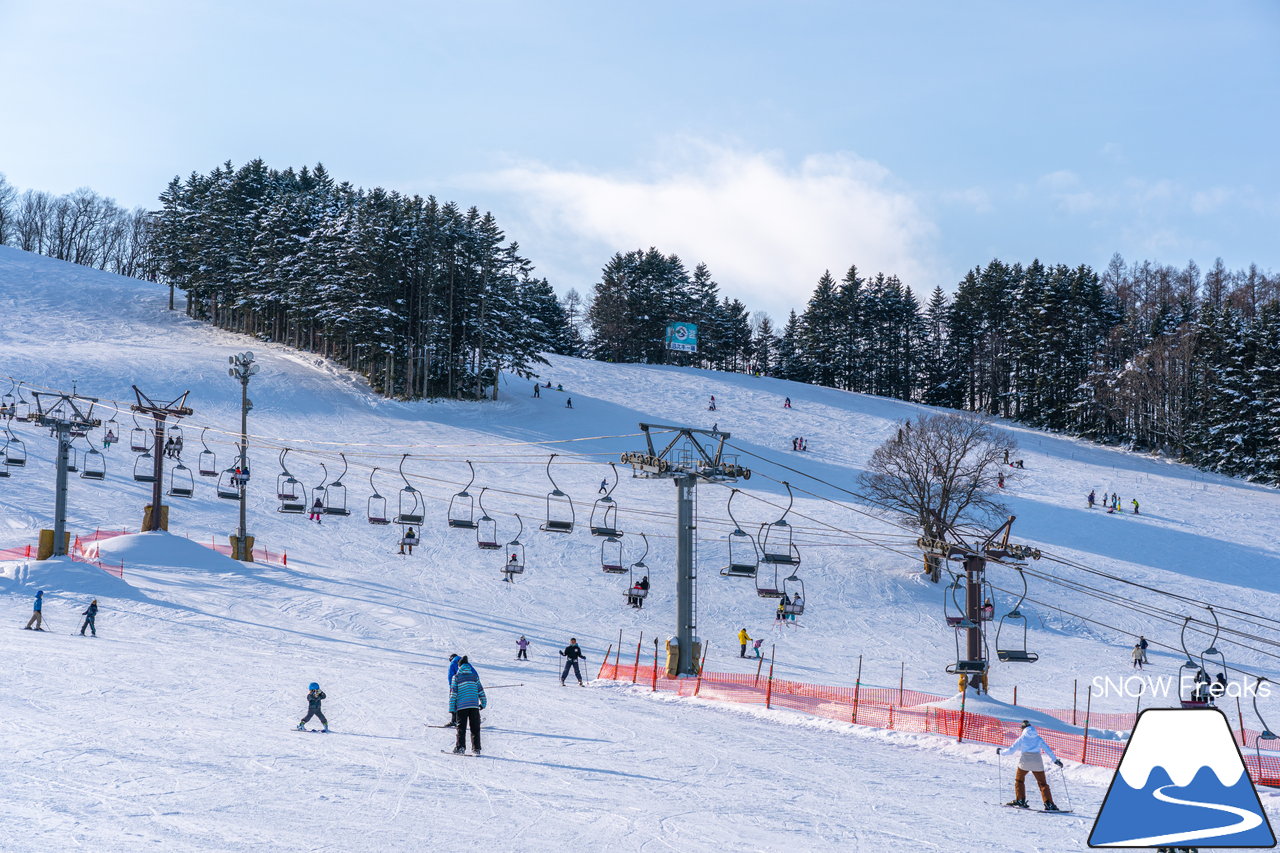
766,229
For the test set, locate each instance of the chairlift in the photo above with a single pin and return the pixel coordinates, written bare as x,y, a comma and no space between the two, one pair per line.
604,513
462,506
486,528
744,554
227,487
335,494
110,432
139,438
611,556
377,508
1199,697
560,515
8,402
175,433
769,588
144,468
21,410
182,484
1016,652
514,564
409,538
95,465
793,595
637,594
411,509
207,464
955,613
14,450
289,491
316,504
1266,734
73,456
776,543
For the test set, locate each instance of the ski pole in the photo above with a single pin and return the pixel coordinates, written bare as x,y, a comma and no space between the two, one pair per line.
500,686
1065,790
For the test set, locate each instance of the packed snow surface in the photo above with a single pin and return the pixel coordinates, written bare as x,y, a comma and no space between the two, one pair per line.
173,728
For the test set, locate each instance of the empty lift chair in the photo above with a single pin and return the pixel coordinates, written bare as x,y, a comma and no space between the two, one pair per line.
744,554
560,514
207,463
181,482
611,556
486,528
376,510
411,506
462,506
290,492
776,545
1015,651
335,494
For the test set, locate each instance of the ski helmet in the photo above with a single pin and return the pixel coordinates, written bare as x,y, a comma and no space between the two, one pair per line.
313,686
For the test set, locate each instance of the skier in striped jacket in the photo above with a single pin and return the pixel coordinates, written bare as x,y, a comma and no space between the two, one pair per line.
466,700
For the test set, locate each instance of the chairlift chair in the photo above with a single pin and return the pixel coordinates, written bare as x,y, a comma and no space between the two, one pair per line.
638,566
182,484
175,432
289,491
207,464
560,514
15,450
462,506
95,465
111,431
793,591
611,556
776,544
376,511
1266,734
604,513
769,588
8,402
1015,652
73,457
318,492
144,468
744,554
955,614
227,487
139,438
411,508
486,528
514,552
335,494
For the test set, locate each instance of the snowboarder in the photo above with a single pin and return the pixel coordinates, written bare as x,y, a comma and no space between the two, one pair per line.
559,387
537,390
314,697
1032,749
568,402
572,654
408,541
466,701
1135,506
1092,497
743,639
756,644
1142,644
316,509
522,646
712,406
89,615
786,403
37,613
1137,656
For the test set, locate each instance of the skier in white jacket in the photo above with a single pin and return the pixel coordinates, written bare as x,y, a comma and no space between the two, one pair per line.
1031,748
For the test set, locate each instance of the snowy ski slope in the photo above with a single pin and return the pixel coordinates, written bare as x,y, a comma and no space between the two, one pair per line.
171,730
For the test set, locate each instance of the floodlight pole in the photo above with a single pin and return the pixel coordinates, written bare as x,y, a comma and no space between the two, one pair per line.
242,367
685,467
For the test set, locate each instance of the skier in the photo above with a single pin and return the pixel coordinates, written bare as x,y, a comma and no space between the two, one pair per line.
37,613
1092,497
1135,506
177,448
604,486
635,598
512,565
168,449
568,402
572,653
523,646
454,663
988,611
743,639
1218,688
1000,481
108,440
712,406
314,697
89,615
559,387
1032,749
795,443
1137,656
466,701
316,509
1142,644
782,608
537,390
797,606
408,541
786,403
756,644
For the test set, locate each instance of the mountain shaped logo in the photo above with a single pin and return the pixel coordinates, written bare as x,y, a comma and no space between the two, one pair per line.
1180,781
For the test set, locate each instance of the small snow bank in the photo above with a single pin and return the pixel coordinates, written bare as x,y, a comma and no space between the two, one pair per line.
163,550
62,574
983,704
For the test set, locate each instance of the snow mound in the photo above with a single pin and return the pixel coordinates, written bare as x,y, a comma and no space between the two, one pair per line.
985,705
62,574
166,551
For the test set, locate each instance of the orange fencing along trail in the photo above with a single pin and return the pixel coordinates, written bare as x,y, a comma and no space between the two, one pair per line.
906,711
84,549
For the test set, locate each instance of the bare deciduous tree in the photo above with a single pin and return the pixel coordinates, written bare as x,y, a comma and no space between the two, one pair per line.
941,471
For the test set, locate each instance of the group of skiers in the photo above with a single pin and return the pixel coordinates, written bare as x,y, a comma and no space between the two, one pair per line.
799,443
788,607
537,392
743,639
36,622
173,447
638,593
1111,502
1139,653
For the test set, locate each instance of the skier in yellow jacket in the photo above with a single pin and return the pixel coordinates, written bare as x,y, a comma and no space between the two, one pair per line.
743,639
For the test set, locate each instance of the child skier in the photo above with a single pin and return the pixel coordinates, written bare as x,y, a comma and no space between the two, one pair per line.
1031,749
316,509
523,645
89,615
314,697
756,644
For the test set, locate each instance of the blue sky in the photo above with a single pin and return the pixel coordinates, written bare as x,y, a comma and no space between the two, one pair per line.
771,140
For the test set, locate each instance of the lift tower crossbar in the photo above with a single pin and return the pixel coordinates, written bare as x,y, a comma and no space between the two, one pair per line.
691,455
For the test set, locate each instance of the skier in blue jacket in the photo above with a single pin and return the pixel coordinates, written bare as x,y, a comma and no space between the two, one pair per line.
314,697
466,700
1031,748
37,613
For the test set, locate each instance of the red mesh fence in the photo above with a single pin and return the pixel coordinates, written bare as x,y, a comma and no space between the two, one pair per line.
84,549
904,710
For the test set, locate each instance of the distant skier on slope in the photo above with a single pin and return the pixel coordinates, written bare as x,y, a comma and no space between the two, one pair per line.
37,613
1137,656
466,701
711,407
755,645
314,697
1135,506
89,615
1031,748
1092,498
786,403
604,486
537,390
522,646
572,653
1143,644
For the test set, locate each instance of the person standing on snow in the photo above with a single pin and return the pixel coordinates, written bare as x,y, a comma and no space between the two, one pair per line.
1092,497
755,645
1032,749
712,406
314,697
522,645
1142,644
1137,656
37,613
604,487
466,701
89,615
743,639
572,654
786,403
537,390
1135,506
454,663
